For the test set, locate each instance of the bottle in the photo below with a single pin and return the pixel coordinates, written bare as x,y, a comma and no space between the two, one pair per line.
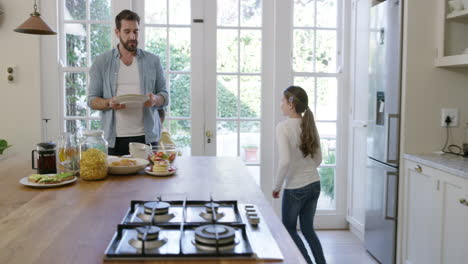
93,155
68,153
465,142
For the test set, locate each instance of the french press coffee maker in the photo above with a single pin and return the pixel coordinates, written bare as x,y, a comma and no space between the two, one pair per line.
45,158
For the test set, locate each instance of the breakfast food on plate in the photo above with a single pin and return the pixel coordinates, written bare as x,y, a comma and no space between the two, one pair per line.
124,162
51,178
161,155
93,165
161,166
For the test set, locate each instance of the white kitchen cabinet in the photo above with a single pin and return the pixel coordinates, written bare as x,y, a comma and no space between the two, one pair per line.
454,221
435,216
452,36
423,214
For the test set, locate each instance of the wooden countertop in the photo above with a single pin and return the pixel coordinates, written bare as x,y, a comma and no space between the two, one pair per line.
75,223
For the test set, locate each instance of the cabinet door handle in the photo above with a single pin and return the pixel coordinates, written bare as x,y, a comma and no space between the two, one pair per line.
418,168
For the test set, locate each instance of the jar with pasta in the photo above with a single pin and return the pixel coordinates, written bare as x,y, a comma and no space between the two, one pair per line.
93,151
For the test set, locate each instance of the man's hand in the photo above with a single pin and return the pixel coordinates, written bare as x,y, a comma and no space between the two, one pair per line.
275,194
154,100
113,104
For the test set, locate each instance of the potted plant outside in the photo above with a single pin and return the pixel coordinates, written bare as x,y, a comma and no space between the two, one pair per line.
250,153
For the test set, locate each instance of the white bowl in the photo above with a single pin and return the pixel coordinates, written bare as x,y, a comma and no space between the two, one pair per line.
139,150
141,164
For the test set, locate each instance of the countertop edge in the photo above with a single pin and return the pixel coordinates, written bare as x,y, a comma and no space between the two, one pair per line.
449,163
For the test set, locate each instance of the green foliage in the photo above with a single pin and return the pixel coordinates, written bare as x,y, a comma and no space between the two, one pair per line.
228,103
249,11
75,83
180,92
3,145
327,175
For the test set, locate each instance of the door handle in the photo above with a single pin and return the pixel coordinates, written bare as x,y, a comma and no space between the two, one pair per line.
208,135
381,36
387,217
390,116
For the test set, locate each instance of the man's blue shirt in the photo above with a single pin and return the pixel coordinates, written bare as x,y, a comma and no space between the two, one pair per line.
103,83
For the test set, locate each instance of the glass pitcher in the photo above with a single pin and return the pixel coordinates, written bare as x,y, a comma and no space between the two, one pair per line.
68,153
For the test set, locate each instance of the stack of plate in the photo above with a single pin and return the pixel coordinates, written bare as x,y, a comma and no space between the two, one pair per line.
132,99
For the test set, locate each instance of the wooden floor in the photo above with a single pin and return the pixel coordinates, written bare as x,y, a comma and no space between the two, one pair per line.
342,247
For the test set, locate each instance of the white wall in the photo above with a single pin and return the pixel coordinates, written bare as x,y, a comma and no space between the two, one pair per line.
426,89
20,101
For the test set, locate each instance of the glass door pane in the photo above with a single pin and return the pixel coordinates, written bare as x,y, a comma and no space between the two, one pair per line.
315,55
86,33
238,81
167,27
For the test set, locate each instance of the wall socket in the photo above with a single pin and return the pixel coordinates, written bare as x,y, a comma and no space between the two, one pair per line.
453,113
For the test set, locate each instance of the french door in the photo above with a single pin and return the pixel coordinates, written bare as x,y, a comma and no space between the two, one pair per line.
226,64
211,51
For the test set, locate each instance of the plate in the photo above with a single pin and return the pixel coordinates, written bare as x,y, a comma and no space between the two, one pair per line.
141,163
131,98
25,181
160,174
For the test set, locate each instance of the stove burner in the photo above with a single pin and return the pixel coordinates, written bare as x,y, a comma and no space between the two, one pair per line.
138,244
159,207
151,242
208,214
209,207
152,232
205,237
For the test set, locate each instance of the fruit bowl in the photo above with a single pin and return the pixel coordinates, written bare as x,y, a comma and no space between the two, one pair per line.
167,153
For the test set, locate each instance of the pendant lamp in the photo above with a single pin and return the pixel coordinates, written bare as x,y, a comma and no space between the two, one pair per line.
35,25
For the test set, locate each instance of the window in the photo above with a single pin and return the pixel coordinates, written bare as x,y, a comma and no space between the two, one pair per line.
316,42
239,82
167,31
86,32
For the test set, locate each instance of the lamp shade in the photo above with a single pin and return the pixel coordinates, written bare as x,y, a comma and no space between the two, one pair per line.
35,25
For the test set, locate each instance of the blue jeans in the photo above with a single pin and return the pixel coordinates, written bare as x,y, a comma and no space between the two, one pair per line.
302,203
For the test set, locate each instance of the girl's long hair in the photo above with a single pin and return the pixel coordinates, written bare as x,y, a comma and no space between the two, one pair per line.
310,140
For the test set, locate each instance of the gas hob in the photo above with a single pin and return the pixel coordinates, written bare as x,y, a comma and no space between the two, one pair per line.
188,229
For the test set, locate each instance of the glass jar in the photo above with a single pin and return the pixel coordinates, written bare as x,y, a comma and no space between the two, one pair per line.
93,155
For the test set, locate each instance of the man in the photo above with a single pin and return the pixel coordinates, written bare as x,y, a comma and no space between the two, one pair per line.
127,69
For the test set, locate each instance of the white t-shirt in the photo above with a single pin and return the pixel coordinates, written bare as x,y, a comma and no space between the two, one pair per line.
129,121
293,168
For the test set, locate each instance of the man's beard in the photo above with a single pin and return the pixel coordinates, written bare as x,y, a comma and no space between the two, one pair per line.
127,45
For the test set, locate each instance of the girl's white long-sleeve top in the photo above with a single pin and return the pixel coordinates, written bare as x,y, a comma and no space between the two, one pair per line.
293,168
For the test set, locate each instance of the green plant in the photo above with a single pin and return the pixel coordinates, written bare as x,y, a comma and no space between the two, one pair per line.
3,145
327,176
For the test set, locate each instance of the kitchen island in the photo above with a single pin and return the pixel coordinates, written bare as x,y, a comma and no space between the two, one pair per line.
75,223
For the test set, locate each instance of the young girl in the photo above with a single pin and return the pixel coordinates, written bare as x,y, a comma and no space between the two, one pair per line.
299,156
